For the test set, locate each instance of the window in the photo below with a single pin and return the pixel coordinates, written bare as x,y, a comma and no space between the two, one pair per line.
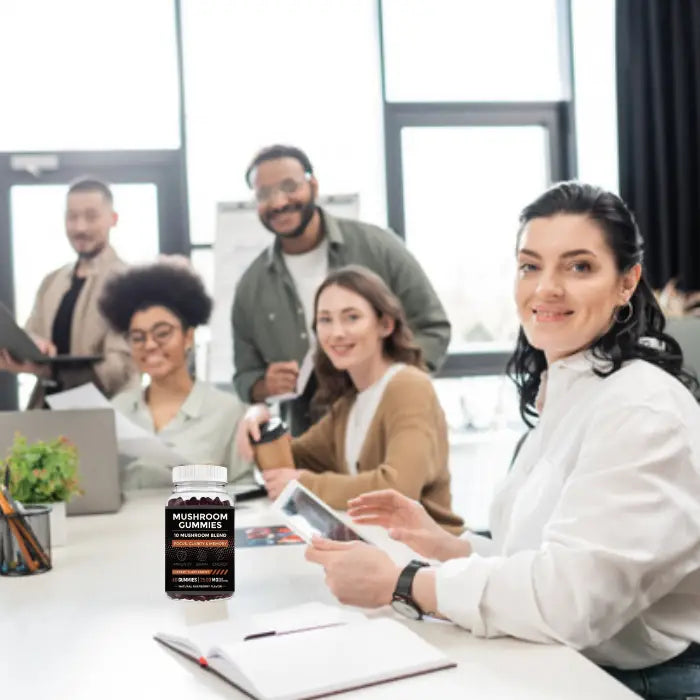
471,50
478,121
593,24
82,75
253,78
464,187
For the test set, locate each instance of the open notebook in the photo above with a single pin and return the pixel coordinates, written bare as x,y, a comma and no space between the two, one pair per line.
310,663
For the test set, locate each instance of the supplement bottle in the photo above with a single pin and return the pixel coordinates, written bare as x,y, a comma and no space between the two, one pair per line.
199,534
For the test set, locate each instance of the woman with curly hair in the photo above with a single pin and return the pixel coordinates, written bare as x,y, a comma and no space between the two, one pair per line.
385,427
157,307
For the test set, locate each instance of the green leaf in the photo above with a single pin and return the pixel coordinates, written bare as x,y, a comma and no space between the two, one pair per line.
55,463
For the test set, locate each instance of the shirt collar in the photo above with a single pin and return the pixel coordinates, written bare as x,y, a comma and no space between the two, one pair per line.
560,374
192,406
194,403
331,230
104,258
580,362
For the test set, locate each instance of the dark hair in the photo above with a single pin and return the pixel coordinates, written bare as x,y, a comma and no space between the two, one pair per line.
274,153
91,184
641,335
398,346
173,286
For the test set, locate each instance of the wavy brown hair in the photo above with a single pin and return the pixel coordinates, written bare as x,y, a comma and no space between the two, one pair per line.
398,346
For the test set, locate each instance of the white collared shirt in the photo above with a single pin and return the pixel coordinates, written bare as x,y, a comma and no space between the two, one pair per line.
596,529
203,432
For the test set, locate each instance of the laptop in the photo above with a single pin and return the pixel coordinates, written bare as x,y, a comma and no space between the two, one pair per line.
24,349
94,436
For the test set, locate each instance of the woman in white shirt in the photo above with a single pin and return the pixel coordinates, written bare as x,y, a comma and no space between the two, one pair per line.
596,529
157,307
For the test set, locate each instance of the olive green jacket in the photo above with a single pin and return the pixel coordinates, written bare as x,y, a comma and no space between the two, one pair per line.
268,318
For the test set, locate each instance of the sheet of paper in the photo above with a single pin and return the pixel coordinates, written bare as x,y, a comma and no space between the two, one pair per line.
133,440
305,372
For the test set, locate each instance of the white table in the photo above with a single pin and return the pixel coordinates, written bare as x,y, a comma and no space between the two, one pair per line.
84,630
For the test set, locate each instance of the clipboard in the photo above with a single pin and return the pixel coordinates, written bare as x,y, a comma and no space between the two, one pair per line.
23,349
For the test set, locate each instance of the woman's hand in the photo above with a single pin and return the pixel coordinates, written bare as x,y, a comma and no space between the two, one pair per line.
277,479
356,573
249,426
407,521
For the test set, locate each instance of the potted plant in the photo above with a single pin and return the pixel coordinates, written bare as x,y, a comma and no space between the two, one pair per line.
45,473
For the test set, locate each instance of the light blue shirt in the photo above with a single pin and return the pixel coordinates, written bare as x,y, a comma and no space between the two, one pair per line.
203,432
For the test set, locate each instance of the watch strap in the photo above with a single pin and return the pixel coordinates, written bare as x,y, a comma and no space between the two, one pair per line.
405,582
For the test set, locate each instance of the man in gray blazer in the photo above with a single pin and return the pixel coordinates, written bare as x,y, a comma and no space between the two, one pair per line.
65,318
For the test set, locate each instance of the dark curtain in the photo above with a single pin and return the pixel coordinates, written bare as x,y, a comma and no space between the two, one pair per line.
658,95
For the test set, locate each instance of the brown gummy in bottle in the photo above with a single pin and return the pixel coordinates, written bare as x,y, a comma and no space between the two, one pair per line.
178,502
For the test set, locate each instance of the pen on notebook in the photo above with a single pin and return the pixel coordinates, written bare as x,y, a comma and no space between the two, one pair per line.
274,633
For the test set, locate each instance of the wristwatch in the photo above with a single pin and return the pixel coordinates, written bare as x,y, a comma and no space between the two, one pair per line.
402,600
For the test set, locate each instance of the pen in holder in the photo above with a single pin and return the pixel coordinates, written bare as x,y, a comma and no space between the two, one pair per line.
25,539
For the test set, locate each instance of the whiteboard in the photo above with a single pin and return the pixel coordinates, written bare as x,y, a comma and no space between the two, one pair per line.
240,238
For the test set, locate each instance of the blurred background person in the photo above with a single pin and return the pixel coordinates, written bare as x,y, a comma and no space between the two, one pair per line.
157,308
65,318
385,427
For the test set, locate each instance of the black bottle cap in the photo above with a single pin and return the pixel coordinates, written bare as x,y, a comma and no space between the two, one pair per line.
270,431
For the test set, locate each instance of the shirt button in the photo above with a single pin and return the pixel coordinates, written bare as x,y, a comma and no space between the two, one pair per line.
271,317
300,311
303,336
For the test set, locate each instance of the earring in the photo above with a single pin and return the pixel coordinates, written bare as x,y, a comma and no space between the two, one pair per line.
630,312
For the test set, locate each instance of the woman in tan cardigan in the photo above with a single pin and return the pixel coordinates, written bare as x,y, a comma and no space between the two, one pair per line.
385,427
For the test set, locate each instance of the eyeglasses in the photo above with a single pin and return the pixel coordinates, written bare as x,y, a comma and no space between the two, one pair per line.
161,334
287,186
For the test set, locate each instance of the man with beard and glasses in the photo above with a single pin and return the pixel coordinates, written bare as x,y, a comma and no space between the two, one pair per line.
272,313
65,318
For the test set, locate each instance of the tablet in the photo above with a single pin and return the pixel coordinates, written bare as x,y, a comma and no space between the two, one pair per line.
23,348
308,515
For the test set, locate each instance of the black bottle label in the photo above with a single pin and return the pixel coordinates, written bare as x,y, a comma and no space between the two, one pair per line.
199,550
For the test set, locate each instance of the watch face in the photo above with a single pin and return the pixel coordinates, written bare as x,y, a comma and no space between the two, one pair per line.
405,608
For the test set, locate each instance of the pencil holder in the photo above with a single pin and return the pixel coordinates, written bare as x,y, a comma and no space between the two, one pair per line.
25,542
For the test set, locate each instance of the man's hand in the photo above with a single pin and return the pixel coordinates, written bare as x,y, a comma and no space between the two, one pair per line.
407,521
46,346
357,573
277,479
281,378
9,364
